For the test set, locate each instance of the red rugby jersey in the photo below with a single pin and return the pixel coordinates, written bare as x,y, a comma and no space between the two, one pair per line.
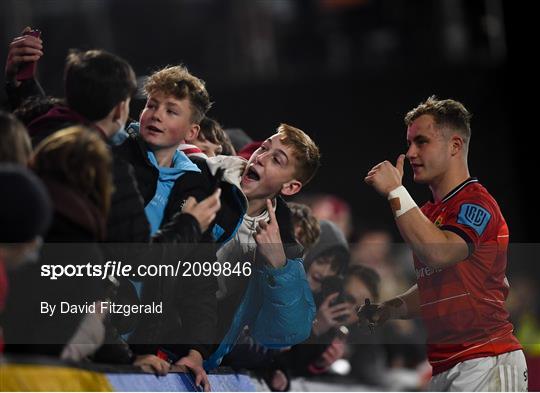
462,306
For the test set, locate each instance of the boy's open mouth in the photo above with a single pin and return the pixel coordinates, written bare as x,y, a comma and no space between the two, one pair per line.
251,174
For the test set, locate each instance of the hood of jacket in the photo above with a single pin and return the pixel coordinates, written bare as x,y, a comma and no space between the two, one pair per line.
57,118
58,114
332,240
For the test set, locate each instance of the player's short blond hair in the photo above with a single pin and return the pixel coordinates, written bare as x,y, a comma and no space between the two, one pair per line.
304,149
176,81
446,113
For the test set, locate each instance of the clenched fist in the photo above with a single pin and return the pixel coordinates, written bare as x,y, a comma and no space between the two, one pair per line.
385,177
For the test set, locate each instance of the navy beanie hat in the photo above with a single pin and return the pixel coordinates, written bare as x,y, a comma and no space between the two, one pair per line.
25,206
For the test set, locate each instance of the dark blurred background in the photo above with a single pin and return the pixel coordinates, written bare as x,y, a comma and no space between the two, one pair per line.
345,71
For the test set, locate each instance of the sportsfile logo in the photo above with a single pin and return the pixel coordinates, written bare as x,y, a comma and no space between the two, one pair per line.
426,271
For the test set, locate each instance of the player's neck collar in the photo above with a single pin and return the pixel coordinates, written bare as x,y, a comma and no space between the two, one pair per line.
457,189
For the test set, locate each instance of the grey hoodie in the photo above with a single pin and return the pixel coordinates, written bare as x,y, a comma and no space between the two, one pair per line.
332,240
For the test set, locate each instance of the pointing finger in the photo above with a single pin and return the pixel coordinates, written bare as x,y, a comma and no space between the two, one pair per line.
270,209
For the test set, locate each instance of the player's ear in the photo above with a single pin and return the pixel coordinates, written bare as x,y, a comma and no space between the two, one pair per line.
457,144
291,187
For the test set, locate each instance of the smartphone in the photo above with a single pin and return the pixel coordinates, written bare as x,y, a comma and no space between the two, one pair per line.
28,70
332,285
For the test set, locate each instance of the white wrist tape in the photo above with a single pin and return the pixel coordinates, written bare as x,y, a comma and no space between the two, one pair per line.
400,201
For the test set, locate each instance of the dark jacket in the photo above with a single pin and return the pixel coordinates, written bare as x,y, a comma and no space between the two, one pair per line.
190,307
77,224
134,151
16,95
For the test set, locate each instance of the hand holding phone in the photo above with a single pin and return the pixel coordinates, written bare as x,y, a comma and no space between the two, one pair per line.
28,69
23,53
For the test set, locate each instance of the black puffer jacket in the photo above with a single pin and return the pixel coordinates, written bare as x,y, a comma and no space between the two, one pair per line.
189,303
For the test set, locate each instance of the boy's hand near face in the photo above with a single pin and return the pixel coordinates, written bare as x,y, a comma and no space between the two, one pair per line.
204,211
269,240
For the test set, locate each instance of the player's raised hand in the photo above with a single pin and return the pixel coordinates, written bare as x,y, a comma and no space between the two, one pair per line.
385,177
